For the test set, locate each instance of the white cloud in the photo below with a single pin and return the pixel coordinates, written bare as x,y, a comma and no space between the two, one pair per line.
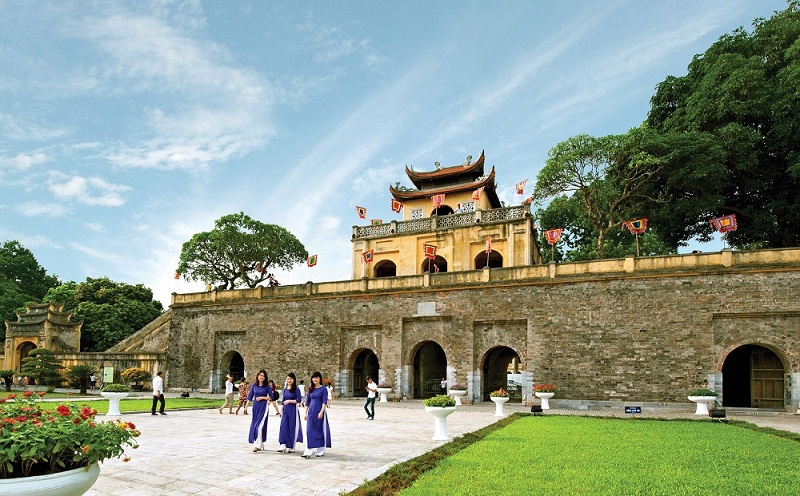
93,226
87,191
23,161
37,209
112,258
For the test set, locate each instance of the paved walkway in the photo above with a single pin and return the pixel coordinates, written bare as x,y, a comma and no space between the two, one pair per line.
201,452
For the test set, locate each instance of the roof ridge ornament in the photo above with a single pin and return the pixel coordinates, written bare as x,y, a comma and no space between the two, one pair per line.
438,165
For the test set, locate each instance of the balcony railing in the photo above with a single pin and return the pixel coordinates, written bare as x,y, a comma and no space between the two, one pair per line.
442,222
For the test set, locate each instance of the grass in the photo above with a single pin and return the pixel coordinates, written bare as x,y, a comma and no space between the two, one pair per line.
582,455
139,405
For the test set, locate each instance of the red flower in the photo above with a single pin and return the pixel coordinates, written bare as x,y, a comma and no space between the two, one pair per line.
8,420
63,410
27,394
3,400
76,420
37,423
11,396
41,393
130,424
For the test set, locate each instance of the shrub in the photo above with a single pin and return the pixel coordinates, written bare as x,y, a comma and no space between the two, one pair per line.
702,392
440,401
116,388
42,366
135,375
500,393
458,387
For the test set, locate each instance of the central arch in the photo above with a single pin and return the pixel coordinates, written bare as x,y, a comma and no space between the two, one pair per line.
438,264
23,350
232,363
753,376
365,365
385,268
500,368
493,261
430,366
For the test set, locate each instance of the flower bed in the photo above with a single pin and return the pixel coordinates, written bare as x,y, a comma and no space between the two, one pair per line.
544,388
500,393
37,440
458,387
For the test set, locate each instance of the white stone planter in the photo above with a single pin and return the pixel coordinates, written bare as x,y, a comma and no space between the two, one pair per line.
457,394
113,403
702,403
70,483
440,421
499,401
545,397
384,392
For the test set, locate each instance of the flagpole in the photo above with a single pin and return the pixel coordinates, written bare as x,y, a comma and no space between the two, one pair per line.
637,244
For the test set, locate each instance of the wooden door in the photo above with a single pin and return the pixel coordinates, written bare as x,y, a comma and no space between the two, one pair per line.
767,375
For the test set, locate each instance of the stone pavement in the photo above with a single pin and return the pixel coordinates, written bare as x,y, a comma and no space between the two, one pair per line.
201,452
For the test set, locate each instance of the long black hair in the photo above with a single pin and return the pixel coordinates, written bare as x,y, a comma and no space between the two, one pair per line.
293,387
316,373
266,378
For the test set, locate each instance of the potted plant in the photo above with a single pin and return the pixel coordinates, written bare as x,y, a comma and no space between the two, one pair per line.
457,391
136,377
384,388
114,393
702,397
440,406
499,397
47,446
544,392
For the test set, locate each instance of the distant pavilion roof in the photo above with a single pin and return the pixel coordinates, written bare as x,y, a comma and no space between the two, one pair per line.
466,172
487,182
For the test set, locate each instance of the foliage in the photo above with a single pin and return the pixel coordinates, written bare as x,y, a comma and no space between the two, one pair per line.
22,280
702,392
384,384
440,400
733,124
544,388
239,251
111,311
7,375
499,393
610,178
37,440
116,387
81,373
618,456
42,366
135,375
458,387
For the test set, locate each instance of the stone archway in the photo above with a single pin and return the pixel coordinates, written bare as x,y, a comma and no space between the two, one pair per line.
430,366
494,260
442,210
385,268
753,376
438,264
365,364
501,367
23,350
232,363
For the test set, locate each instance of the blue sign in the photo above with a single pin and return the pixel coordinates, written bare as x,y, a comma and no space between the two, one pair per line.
633,409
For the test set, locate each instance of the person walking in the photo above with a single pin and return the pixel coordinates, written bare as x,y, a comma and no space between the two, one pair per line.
291,431
277,395
93,380
228,395
329,387
158,393
372,391
318,431
243,390
260,395
302,388
443,386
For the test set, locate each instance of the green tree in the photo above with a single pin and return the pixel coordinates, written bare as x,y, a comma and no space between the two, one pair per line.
610,177
111,311
43,366
238,252
734,126
8,377
80,374
22,280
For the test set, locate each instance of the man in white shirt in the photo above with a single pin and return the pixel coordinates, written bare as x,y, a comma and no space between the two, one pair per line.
372,391
228,395
158,393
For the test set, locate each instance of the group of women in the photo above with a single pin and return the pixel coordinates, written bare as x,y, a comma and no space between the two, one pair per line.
318,432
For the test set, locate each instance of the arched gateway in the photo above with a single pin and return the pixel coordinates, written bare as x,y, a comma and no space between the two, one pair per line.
430,366
753,376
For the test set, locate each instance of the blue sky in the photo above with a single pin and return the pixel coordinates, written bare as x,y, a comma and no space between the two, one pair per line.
127,127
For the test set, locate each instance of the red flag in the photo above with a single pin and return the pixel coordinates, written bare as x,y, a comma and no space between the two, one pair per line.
437,200
312,260
397,206
368,256
553,235
362,212
430,250
476,195
520,187
177,275
637,226
725,223
488,245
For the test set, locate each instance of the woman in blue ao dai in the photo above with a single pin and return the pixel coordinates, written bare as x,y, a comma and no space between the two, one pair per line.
291,431
318,431
260,395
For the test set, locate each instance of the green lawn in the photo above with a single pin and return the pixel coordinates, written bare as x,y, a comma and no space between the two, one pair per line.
136,405
581,455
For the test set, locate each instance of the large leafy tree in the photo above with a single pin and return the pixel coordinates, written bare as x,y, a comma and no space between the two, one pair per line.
734,124
609,177
239,251
111,311
22,280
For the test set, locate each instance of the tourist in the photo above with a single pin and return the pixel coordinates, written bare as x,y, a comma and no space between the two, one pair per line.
158,393
302,388
93,380
443,386
228,394
318,432
243,389
291,431
260,395
372,391
329,387
277,395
